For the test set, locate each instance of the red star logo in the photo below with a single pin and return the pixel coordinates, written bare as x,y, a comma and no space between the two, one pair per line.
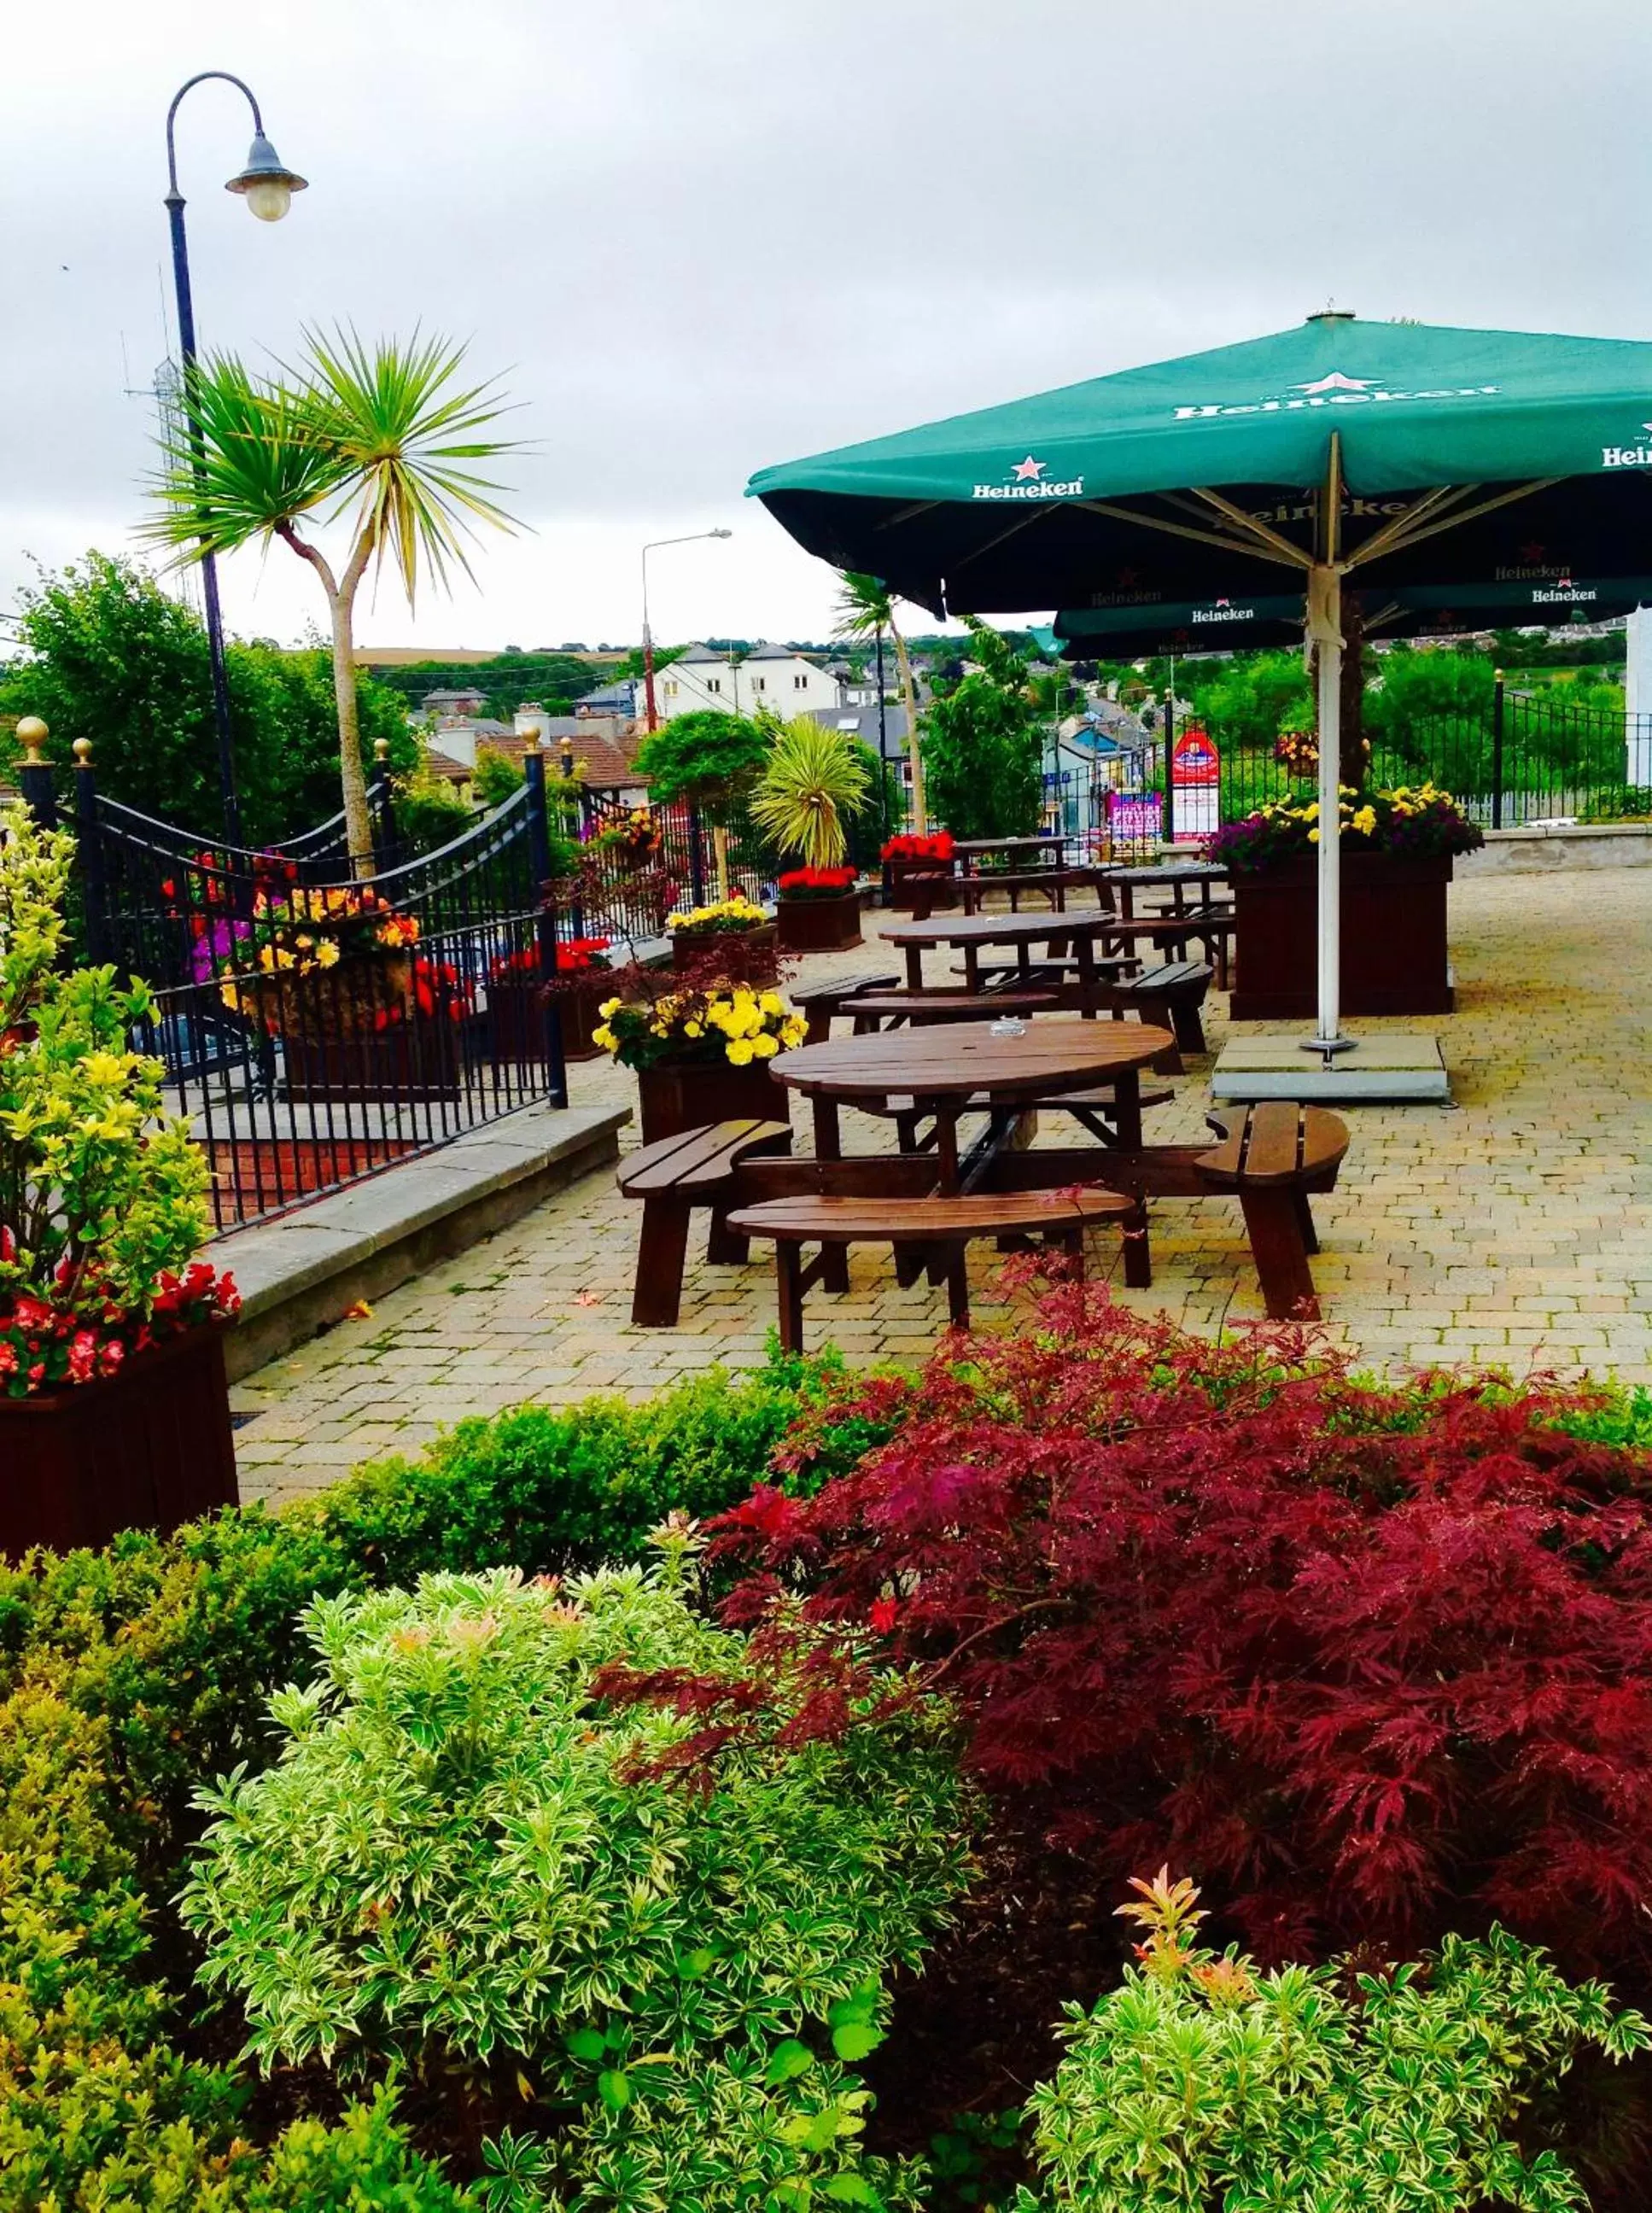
1126,577
1533,552
1029,470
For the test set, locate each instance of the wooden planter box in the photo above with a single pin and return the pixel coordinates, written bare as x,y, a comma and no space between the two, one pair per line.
744,956
411,1060
518,1006
1394,939
819,925
898,875
691,1093
146,1448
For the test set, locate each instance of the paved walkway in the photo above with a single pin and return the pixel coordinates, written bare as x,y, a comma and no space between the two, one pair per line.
1514,1227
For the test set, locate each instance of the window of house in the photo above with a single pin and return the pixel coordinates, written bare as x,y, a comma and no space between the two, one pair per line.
714,683
671,690
800,684
760,683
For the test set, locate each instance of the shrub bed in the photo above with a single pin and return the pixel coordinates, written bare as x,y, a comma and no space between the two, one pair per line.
528,1883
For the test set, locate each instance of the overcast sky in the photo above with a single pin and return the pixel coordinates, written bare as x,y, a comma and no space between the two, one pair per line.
698,237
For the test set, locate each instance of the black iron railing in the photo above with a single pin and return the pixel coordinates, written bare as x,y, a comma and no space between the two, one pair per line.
316,1026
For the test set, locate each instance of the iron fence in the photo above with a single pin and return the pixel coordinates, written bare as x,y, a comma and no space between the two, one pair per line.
316,1026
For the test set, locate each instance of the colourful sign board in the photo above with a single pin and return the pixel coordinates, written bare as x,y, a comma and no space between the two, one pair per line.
1195,773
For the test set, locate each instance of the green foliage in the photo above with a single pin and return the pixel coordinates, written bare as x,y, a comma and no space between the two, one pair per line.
814,781
505,681
1203,2082
983,744
711,759
498,776
113,658
99,1191
1249,699
472,1859
430,813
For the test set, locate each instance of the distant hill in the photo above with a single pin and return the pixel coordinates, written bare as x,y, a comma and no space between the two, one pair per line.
506,680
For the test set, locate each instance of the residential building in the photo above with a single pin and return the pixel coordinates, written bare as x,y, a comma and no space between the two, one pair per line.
602,746
772,676
444,703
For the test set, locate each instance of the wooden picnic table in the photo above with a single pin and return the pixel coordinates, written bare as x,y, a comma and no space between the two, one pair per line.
943,1068
969,850
966,934
1178,877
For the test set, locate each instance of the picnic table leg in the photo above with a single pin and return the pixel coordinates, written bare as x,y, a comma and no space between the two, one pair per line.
829,1146
958,1287
1138,1253
914,967
789,1285
1276,1246
722,1248
1127,1111
657,1295
1085,946
1305,1222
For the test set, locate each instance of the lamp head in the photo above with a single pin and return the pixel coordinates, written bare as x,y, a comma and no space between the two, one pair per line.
266,183
719,534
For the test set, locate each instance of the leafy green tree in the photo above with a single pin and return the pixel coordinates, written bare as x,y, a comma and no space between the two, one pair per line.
498,776
711,760
384,435
983,745
865,607
112,658
814,782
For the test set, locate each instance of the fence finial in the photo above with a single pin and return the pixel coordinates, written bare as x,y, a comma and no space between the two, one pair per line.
82,750
31,734
380,749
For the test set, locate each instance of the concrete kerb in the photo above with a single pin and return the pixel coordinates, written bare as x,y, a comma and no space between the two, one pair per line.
306,1271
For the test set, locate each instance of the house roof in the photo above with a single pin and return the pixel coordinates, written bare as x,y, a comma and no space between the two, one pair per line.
444,764
861,723
774,653
698,652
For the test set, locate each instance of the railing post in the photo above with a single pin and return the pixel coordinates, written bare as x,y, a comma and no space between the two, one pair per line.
34,776
539,862
382,818
1496,749
89,853
1167,821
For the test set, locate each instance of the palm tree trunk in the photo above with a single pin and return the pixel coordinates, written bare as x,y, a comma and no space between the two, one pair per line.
358,820
914,751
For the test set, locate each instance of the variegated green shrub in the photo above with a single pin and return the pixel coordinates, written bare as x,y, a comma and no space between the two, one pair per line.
472,1862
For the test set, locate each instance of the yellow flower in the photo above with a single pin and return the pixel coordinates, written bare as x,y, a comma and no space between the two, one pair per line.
609,1007
765,1048
326,952
603,1036
1312,837
1365,821
739,1051
693,1029
772,1003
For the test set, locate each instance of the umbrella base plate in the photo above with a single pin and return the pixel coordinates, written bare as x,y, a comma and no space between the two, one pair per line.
1401,1064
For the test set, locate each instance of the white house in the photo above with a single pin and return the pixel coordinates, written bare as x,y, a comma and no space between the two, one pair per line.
771,676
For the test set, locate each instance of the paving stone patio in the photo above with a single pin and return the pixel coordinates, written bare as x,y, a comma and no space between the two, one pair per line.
1514,1227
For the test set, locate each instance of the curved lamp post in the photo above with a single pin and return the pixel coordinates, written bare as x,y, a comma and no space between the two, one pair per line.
653,545
267,185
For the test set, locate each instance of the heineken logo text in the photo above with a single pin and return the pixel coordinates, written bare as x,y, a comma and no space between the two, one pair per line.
1027,481
1333,391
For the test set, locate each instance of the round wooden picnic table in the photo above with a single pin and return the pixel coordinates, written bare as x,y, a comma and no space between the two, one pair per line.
1177,876
968,933
941,1069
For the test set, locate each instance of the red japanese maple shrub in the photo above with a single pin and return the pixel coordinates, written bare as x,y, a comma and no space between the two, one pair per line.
1376,1665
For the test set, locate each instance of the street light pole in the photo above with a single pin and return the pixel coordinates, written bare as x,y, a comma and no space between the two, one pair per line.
653,547
267,186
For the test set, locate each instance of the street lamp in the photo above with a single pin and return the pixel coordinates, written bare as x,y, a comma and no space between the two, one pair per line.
267,186
693,537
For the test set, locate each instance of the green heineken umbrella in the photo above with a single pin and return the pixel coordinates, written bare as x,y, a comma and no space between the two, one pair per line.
1415,458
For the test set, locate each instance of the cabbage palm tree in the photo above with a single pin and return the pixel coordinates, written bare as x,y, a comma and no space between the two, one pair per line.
814,779
384,439
866,605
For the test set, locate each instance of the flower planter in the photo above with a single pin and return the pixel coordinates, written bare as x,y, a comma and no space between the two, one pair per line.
1393,938
744,956
411,1060
145,1449
819,925
687,1094
517,1008
344,1000
901,875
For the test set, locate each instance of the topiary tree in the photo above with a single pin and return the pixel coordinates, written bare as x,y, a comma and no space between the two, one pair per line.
711,760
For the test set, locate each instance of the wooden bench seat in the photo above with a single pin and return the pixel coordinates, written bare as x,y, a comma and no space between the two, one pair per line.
673,1176
832,1220
822,1002
876,1010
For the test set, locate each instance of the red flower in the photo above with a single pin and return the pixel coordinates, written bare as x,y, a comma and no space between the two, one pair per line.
882,1615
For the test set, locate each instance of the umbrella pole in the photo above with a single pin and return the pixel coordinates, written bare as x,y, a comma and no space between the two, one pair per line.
1325,633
